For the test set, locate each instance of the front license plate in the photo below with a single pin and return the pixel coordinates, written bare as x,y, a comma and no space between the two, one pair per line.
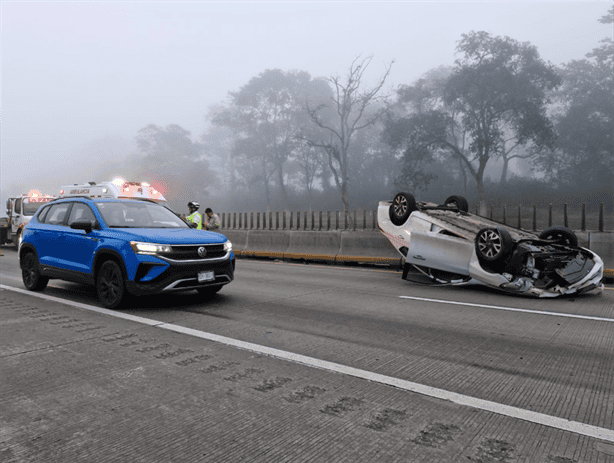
206,276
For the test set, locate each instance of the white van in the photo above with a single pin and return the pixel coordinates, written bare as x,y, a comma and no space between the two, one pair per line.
116,188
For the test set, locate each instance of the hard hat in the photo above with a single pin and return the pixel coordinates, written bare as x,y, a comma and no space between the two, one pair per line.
193,205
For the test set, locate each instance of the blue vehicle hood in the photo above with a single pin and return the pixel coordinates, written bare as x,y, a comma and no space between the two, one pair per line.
170,235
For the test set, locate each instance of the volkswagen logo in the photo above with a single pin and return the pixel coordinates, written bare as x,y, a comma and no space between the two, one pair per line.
202,252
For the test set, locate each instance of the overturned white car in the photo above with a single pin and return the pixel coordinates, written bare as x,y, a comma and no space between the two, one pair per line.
449,245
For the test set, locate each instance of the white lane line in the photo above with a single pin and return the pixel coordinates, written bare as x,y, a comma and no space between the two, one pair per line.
511,309
494,407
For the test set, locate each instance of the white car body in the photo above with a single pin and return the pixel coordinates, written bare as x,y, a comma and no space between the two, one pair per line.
441,244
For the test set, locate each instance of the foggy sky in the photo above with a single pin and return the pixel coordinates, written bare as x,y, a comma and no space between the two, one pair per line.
79,79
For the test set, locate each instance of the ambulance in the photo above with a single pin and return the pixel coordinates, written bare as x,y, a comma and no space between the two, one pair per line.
19,211
116,188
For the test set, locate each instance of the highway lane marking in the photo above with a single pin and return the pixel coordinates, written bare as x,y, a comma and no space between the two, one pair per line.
486,405
511,309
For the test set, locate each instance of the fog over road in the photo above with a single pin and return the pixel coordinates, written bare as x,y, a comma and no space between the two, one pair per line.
468,341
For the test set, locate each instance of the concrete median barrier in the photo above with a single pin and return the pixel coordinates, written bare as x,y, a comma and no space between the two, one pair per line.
314,245
367,247
238,238
267,243
603,245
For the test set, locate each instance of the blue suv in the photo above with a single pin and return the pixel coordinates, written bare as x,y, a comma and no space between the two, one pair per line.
122,247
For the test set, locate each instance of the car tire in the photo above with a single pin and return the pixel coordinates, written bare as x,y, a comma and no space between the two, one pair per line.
401,208
209,290
493,244
459,201
111,285
561,235
30,273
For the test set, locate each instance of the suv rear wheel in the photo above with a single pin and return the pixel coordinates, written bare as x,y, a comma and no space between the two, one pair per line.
110,285
493,244
30,273
401,208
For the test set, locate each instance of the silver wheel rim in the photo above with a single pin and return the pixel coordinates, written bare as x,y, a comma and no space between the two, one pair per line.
400,206
490,244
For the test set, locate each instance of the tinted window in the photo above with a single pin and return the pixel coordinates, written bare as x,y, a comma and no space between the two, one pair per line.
80,211
43,213
57,214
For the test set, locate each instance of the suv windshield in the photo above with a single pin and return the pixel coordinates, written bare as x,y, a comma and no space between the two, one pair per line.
138,215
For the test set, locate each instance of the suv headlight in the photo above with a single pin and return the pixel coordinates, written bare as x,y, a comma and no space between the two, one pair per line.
149,248
227,246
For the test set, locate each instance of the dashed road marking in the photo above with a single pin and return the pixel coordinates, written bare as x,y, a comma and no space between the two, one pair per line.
576,427
511,309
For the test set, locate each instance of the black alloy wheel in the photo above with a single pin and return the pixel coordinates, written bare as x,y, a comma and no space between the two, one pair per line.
561,235
493,244
110,285
401,208
459,202
30,273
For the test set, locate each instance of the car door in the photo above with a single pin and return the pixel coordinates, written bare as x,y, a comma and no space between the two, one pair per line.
79,246
434,249
49,234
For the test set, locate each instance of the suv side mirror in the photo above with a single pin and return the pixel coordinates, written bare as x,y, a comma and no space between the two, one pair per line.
84,224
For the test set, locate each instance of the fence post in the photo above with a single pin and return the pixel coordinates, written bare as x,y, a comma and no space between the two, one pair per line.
328,220
549,215
374,217
364,219
565,221
477,210
234,220
534,217
600,217
354,224
291,217
504,216
519,220
276,220
245,219
251,220
492,208
270,220
583,223
336,220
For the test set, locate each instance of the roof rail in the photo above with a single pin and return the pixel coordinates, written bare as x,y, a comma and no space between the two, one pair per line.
71,197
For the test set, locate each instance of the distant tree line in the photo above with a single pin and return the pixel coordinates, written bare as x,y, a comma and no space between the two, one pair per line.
288,141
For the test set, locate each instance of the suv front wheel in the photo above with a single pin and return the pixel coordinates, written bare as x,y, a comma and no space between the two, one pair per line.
110,285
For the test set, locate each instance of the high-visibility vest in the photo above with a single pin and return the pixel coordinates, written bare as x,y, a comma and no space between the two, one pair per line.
196,218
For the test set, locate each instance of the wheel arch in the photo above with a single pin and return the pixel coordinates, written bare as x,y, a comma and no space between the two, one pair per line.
108,254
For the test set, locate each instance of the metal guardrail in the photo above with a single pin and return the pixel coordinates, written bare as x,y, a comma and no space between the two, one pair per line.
367,220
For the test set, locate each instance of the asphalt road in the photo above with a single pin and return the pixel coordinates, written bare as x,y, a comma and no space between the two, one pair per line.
499,378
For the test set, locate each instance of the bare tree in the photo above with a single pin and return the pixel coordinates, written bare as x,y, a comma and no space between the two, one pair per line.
349,112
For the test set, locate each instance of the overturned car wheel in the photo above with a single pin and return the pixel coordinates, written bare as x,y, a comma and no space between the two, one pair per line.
493,244
457,201
560,235
401,208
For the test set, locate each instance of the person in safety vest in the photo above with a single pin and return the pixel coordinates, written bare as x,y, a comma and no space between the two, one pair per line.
195,216
213,220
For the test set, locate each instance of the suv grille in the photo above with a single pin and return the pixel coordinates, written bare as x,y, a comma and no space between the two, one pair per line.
190,252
